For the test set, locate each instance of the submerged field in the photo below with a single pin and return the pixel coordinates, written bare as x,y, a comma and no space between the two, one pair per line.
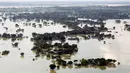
92,39
92,48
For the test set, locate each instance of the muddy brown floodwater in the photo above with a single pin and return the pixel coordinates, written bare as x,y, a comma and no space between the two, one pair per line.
118,49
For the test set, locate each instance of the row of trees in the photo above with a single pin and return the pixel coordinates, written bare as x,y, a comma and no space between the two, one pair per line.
100,63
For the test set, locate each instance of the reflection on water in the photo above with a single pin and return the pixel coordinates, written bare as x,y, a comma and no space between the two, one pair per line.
52,71
116,49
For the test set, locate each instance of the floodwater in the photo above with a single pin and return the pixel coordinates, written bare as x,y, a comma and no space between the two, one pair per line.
118,49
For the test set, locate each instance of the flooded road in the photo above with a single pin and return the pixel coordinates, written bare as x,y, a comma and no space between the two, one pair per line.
118,49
